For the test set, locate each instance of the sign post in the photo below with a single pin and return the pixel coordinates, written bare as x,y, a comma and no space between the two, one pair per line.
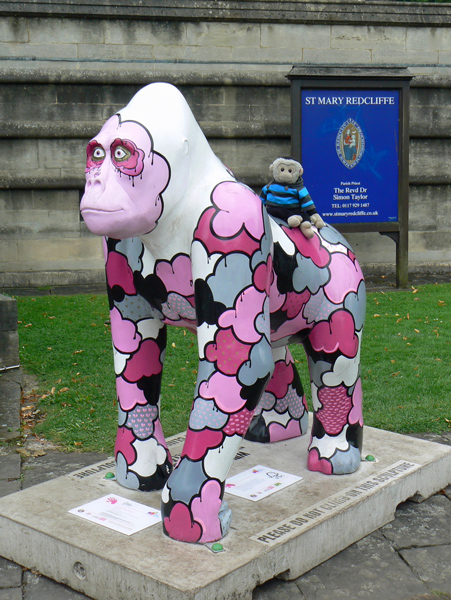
350,132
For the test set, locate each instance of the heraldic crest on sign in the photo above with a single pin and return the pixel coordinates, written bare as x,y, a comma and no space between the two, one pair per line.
350,143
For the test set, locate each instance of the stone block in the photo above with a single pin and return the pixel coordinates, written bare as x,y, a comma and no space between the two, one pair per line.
13,30
8,313
57,252
61,32
56,464
426,247
368,37
37,587
10,396
19,157
430,112
205,54
37,223
10,574
432,565
432,38
412,526
444,57
286,534
71,156
40,51
236,154
218,35
380,569
9,349
9,466
372,248
8,253
429,160
106,51
7,488
407,57
291,36
430,208
92,280
282,55
336,56
146,33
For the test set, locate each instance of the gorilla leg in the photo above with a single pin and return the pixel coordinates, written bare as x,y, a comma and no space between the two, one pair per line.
337,430
282,412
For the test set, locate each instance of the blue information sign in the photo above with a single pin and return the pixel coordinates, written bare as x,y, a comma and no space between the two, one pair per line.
350,153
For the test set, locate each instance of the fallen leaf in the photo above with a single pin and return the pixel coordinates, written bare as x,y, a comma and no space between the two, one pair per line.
24,453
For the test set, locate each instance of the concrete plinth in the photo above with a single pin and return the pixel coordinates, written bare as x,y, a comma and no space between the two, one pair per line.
283,535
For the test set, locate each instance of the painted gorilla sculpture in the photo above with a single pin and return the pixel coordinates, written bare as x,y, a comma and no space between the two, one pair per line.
188,245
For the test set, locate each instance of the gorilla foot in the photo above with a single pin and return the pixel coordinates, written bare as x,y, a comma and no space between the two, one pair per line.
341,462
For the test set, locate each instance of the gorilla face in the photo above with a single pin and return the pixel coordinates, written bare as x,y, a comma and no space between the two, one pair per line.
124,181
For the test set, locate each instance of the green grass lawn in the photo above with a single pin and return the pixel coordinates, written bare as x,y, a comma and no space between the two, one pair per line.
65,343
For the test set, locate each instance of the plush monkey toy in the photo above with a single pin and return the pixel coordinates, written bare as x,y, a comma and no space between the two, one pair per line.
286,197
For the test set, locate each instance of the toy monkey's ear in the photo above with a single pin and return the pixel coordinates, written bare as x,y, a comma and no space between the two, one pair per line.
301,170
271,168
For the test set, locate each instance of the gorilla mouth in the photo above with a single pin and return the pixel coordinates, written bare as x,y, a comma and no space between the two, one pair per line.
100,210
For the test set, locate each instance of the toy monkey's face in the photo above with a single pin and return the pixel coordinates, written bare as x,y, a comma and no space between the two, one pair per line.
286,171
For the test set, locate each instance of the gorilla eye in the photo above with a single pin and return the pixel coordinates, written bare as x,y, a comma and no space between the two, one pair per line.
121,153
95,155
98,154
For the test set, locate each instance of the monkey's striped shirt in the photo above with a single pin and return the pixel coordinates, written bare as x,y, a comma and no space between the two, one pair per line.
294,196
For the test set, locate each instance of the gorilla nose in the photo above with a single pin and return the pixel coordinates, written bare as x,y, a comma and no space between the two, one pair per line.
95,186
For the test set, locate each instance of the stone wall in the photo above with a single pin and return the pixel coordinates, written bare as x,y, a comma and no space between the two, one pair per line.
65,68
10,370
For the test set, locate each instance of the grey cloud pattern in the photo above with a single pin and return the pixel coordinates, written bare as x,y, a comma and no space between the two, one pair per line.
185,483
308,275
356,304
231,276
